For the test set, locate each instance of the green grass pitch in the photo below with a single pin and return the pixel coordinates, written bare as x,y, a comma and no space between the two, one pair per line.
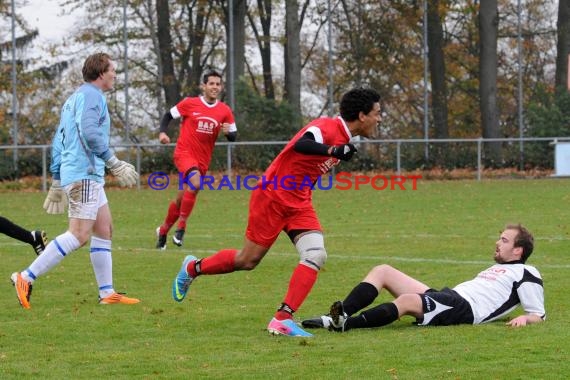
443,233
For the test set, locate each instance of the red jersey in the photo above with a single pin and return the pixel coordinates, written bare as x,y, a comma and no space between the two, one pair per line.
291,174
201,124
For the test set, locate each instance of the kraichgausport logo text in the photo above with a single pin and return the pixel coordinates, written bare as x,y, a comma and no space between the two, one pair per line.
340,181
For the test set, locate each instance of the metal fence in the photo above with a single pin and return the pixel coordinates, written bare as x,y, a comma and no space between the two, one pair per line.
398,155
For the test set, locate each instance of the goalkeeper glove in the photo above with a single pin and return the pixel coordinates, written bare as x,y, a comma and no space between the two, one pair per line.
343,152
56,199
125,172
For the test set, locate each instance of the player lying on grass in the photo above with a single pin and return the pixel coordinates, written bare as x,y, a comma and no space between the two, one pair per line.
37,239
494,293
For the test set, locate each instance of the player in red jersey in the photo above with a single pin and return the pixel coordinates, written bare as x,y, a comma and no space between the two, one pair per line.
282,202
202,119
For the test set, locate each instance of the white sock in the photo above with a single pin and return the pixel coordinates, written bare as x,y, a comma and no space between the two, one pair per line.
102,262
55,251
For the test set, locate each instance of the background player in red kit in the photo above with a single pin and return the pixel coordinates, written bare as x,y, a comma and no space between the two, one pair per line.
285,205
202,119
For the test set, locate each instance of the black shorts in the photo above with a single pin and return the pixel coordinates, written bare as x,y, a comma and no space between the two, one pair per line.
444,307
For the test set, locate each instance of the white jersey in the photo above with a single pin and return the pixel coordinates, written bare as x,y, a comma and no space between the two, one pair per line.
499,289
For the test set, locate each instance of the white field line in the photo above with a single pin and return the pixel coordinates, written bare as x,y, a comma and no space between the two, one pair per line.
379,259
376,259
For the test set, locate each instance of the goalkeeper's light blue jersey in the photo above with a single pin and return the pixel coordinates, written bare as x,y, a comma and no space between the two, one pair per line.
81,143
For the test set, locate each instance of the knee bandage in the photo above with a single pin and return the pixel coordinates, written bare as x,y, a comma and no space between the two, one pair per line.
311,248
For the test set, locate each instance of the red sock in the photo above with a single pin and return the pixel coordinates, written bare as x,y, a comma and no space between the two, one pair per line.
283,315
186,206
220,262
171,218
300,286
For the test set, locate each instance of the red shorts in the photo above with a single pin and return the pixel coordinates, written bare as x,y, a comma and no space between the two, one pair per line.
185,162
267,218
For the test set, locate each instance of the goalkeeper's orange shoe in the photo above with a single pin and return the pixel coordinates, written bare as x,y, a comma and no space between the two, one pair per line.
23,289
118,298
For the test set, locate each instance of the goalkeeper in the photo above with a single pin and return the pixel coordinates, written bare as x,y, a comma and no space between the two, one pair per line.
80,153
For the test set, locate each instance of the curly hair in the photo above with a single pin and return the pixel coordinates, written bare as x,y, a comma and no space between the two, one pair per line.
358,100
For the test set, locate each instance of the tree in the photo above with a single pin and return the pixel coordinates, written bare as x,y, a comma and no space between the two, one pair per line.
563,45
36,98
161,71
488,32
375,43
166,73
263,39
262,119
437,69
548,115
24,36
235,58
378,44
292,90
